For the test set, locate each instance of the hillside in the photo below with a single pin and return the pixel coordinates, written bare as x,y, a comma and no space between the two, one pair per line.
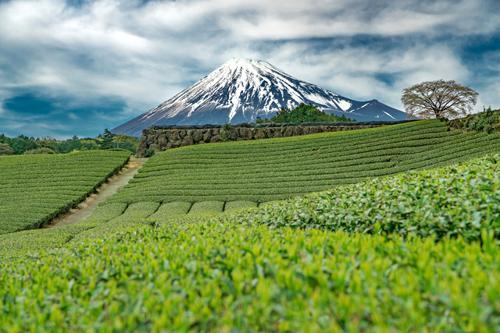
273,169
260,270
243,90
36,188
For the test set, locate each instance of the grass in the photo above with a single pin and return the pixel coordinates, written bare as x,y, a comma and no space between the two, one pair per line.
273,169
36,188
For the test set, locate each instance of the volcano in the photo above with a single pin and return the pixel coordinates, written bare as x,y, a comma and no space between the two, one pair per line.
242,90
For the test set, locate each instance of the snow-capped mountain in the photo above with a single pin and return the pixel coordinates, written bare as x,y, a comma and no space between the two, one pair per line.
241,90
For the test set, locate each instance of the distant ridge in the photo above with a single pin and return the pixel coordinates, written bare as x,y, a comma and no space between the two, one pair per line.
241,90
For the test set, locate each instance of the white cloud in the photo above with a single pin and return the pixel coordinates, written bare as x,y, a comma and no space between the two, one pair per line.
299,19
147,53
357,71
488,94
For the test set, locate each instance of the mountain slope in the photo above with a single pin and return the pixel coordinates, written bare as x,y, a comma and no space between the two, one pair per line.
241,90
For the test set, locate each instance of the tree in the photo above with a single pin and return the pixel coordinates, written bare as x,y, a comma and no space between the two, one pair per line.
5,149
305,114
107,139
439,99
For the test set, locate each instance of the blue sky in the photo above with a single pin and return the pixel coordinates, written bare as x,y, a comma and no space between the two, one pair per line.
77,67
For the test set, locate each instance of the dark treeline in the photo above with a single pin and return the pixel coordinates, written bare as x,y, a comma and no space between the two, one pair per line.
31,145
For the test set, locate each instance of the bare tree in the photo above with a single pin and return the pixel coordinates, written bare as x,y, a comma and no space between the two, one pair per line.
439,99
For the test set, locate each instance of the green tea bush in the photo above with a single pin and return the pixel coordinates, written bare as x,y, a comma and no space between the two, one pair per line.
31,242
414,252
134,214
36,188
273,169
232,277
207,207
169,209
235,205
459,200
487,121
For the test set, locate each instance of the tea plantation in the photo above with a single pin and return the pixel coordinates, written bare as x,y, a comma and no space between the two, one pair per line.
36,188
286,266
405,238
273,169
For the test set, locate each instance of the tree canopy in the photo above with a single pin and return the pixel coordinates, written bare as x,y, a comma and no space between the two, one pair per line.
107,140
304,114
439,99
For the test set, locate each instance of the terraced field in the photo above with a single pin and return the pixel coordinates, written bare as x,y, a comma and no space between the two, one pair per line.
411,252
36,188
252,172
406,251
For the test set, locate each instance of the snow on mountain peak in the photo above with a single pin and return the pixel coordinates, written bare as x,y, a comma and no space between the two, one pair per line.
238,91
246,85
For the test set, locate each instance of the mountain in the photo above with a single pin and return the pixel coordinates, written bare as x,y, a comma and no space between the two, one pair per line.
241,90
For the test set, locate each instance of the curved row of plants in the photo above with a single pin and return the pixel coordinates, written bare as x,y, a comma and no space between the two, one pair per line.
36,188
459,200
275,169
411,252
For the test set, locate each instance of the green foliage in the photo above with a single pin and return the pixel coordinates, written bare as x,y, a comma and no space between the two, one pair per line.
125,142
36,188
19,244
207,207
225,132
304,114
231,277
452,201
430,263
22,144
169,209
107,139
487,121
237,205
149,152
417,251
265,170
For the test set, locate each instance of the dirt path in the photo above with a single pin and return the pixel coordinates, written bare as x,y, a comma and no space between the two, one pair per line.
106,190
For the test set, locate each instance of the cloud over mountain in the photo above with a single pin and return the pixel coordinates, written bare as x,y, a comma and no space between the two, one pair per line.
138,52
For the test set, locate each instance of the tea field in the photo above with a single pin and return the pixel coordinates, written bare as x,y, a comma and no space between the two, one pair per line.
402,233
424,258
36,188
273,169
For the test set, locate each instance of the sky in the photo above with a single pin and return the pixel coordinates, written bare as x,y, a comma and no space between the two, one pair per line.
76,67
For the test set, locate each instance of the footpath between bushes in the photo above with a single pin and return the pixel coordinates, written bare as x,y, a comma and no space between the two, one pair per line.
106,190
